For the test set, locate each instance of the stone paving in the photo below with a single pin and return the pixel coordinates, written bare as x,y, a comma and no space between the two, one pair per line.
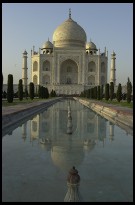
118,109
17,108
12,115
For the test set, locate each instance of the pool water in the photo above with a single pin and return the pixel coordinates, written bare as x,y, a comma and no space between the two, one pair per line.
37,156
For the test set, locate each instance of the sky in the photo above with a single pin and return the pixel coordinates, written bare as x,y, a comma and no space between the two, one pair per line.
25,25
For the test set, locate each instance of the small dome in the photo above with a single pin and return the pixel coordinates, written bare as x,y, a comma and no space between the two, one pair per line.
47,44
69,34
91,45
25,52
113,53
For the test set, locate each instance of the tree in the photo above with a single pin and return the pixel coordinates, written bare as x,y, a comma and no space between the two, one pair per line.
124,96
43,92
101,92
52,93
16,94
31,90
10,92
129,91
4,94
98,92
114,95
119,93
39,91
46,93
95,92
85,93
88,93
20,90
36,92
107,91
111,90
82,94
92,93
26,93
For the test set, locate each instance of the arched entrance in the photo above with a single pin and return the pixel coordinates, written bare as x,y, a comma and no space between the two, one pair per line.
69,72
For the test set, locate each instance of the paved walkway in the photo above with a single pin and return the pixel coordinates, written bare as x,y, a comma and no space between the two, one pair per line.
16,108
117,108
12,115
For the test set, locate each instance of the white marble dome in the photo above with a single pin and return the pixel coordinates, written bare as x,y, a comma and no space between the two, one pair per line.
91,45
69,34
47,44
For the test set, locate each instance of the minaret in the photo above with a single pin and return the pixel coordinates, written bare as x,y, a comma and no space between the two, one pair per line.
112,72
24,70
73,181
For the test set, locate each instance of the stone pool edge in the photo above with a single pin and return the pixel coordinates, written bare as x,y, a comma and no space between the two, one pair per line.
11,119
124,121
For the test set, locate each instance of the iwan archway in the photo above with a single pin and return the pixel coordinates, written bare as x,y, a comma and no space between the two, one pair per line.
68,72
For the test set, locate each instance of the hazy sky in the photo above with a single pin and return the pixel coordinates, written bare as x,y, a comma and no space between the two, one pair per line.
28,24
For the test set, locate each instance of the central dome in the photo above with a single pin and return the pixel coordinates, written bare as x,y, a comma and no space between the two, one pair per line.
69,34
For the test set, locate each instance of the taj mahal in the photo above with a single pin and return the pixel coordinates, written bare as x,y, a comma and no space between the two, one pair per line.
69,64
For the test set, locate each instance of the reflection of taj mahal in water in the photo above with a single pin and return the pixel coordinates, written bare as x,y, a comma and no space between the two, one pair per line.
50,130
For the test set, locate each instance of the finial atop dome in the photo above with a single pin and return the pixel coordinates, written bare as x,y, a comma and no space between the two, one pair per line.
69,34
69,13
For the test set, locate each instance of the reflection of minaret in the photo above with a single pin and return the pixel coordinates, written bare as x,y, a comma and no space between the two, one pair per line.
101,126
103,142
24,131
111,126
69,108
35,126
73,182
69,123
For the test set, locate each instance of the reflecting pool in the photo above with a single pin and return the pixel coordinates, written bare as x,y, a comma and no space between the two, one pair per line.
37,156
